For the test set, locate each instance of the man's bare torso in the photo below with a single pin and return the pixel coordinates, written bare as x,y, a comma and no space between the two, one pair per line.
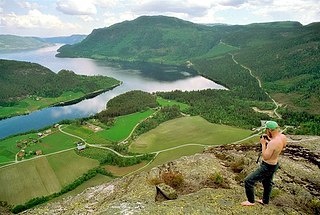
277,144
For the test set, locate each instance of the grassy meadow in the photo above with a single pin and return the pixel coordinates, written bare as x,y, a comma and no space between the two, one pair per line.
170,155
220,49
53,143
42,176
165,102
123,126
186,130
8,146
33,103
121,171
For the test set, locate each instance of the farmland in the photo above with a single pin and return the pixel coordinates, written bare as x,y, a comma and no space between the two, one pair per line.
41,176
186,130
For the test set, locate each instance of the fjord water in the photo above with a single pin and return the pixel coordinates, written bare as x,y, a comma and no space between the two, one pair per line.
146,77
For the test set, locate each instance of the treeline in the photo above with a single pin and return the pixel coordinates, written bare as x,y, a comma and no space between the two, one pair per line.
289,65
20,79
39,200
303,122
109,158
218,106
164,114
127,103
225,71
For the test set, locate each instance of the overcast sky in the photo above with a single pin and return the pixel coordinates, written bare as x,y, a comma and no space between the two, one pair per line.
46,18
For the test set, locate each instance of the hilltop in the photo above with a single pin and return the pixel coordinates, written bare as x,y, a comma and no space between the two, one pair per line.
154,39
75,38
13,43
284,56
209,183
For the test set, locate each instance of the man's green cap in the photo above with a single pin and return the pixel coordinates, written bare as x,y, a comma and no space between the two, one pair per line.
272,125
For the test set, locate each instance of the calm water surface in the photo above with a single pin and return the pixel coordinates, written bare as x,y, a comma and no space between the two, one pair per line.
146,77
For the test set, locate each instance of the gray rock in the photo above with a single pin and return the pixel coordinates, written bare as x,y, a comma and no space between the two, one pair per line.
167,191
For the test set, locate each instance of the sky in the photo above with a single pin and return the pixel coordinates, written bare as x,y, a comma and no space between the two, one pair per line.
49,18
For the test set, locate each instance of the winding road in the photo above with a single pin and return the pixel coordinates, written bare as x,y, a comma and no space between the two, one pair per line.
260,85
156,152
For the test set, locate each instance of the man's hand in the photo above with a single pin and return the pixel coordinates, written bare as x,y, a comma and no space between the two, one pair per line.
263,140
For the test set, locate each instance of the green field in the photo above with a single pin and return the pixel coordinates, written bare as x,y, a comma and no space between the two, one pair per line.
42,176
77,130
123,126
8,148
68,166
186,130
33,103
220,49
165,102
53,143
121,171
167,156
88,135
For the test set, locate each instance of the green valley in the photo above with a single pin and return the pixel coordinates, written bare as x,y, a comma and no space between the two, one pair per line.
270,71
283,55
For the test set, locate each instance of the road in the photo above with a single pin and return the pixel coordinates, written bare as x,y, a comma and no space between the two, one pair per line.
260,85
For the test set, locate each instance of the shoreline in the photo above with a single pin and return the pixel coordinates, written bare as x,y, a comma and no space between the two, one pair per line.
68,102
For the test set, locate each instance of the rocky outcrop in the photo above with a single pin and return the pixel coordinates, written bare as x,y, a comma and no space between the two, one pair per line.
209,183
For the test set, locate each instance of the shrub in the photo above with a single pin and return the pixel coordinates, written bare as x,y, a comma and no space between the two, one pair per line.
154,181
217,180
314,206
172,178
18,209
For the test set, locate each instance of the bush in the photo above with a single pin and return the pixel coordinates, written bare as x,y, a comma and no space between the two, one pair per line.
314,206
18,209
217,178
172,178
154,181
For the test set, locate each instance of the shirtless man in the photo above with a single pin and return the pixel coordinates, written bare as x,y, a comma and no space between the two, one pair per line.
270,155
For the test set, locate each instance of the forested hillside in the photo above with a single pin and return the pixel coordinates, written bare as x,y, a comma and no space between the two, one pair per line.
284,56
9,43
20,79
127,103
218,106
157,39
76,38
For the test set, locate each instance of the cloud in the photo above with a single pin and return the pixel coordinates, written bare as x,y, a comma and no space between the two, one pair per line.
28,5
34,19
296,10
110,19
76,7
190,8
87,18
232,3
106,3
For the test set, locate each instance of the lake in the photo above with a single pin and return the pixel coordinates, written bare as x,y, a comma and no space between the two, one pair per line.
135,76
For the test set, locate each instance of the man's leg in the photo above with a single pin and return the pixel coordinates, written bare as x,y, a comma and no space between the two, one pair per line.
267,185
250,181
267,188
